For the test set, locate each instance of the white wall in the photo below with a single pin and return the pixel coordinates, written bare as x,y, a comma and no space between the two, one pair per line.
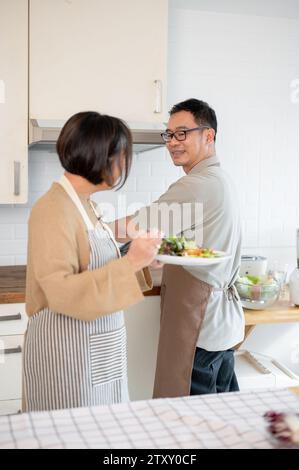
243,68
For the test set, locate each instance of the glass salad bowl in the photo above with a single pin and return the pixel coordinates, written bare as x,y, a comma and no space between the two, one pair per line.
258,292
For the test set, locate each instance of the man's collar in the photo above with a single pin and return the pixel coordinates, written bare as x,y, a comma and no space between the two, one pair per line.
211,161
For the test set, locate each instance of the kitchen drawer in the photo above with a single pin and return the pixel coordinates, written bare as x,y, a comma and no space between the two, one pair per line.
13,319
10,407
11,367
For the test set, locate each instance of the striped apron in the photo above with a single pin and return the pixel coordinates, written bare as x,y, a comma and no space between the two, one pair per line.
70,363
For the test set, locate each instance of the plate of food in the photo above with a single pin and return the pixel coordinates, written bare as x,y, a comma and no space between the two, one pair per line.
177,250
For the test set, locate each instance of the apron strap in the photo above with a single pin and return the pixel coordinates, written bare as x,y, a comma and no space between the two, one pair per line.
230,292
68,187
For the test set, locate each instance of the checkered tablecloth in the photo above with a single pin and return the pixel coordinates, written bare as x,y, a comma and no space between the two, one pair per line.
230,420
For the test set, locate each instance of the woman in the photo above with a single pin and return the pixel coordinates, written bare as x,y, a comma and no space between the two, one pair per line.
77,283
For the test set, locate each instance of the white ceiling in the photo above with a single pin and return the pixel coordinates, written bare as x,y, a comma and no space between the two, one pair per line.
276,8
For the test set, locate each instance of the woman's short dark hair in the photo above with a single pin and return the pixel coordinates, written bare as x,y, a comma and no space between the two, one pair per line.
90,144
203,114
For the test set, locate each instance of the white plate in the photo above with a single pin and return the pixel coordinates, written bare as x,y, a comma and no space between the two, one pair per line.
193,261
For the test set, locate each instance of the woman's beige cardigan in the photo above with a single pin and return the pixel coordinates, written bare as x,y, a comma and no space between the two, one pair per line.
58,257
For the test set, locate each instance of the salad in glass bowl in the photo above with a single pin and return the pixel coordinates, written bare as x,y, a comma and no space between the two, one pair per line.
258,292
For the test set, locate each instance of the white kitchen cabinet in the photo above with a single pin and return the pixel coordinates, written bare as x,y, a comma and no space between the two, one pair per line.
11,367
13,101
97,55
13,321
143,326
10,407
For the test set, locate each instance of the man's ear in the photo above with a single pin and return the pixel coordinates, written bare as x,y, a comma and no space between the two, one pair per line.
210,135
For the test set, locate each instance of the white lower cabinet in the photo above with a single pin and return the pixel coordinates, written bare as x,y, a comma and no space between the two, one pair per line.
13,319
12,328
10,407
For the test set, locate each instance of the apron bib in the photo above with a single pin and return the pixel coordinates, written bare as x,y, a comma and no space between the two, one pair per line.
69,363
184,300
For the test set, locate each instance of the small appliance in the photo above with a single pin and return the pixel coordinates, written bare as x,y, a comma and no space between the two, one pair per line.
253,265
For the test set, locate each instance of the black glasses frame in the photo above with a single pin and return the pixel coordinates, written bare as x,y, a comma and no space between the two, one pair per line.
180,135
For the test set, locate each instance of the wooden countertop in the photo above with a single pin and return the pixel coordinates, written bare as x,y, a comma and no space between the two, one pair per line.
12,290
294,390
13,280
12,284
280,312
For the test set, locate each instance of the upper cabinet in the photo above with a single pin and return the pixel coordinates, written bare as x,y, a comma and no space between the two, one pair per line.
108,56
13,101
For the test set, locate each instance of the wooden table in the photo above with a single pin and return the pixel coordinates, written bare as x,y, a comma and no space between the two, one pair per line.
281,312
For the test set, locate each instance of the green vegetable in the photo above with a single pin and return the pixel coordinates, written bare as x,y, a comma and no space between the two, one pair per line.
177,246
254,279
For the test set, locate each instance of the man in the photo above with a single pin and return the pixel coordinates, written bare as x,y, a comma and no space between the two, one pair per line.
201,315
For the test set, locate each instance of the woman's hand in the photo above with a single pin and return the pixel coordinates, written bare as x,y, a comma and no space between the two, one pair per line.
156,265
144,248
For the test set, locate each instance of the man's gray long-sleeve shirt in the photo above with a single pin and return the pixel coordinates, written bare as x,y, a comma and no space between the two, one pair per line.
205,208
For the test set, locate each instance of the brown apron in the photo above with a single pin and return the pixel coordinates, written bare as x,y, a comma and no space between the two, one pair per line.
184,300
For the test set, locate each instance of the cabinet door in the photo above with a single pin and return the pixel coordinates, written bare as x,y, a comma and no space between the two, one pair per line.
13,319
11,367
9,407
13,101
98,55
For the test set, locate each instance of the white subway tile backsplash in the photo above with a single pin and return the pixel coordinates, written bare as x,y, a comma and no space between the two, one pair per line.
152,184
136,200
156,155
154,196
15,247
21,231
14,214
7,260
140,167
250,232
6,231
170,180
130,184
33,196
165,168
53,164
20,259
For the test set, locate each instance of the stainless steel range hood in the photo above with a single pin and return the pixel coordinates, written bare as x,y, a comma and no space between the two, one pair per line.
45,132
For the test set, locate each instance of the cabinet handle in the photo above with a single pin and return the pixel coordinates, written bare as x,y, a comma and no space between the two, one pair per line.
16,350
17,177
17,316
158,99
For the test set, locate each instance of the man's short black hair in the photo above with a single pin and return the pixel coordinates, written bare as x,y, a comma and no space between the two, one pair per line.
203,114
91,144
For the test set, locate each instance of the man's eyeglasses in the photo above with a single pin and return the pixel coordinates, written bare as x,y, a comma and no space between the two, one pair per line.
181,134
